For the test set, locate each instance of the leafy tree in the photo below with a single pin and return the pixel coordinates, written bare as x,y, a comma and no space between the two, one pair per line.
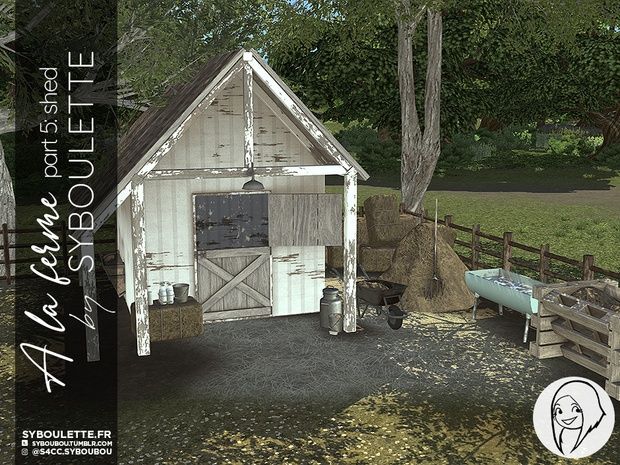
510,61
356,25
7,196
162,42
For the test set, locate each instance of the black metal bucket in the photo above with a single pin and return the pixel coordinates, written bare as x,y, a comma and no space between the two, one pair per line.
395,317
181,292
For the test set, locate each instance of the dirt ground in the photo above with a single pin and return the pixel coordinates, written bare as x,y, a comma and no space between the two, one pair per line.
440,390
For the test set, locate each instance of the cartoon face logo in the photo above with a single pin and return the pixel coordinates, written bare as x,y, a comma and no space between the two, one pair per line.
565,411
580,416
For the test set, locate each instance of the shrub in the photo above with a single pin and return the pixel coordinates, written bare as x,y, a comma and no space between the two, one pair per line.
572,143
610,156
375,155
506,139
483,148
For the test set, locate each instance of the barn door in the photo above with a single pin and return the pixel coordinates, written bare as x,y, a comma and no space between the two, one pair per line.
232,255
235,283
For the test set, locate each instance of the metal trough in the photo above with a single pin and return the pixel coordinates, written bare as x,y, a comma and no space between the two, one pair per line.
507,289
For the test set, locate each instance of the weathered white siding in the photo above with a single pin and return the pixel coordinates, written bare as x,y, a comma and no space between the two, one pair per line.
215,139
123,224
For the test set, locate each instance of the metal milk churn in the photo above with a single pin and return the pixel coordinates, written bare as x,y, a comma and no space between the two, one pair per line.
331,311
163,297
169,293
151,295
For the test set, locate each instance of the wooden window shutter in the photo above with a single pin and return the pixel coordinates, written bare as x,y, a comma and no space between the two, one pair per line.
305,219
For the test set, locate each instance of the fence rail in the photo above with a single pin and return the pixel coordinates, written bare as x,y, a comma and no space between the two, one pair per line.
63,241
504,252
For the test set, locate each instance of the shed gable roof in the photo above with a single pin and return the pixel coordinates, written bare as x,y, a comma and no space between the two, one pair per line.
157,125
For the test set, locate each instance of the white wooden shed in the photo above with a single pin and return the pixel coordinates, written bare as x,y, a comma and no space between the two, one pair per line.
182,215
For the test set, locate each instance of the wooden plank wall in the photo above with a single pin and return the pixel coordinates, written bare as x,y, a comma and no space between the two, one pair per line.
293,293
305,219
216,140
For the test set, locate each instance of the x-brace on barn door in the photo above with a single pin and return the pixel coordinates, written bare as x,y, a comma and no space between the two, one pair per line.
235,283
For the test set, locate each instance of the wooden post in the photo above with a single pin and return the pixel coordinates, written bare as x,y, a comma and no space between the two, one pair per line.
350,252
447,220
89,283
143,340
65,248
612,385
507,251
586,268
543,262
7,254
248,111
475,244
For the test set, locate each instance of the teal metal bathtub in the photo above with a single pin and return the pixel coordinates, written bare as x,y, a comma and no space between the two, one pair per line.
506,288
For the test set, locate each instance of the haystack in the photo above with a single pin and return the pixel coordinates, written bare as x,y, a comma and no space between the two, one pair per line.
412,265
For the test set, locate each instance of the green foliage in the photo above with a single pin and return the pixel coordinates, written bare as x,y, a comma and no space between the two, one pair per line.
511,147
166,40
516,61
505,139
376,156
7,64
610,156
508,148
571,143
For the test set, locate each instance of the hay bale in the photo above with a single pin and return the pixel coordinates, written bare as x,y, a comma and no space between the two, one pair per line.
382,220
362,232
412,265
334,254
376,259
176,321
406,223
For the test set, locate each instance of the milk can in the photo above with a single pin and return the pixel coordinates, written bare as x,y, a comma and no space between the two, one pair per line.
169,293
331,311
163,297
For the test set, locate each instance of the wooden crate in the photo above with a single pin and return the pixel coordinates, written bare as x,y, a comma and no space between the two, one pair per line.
580,330
175,321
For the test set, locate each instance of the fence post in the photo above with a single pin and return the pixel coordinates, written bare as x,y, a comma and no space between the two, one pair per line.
475,245
543,262
447,220
507,251
65,251
586,268
7,254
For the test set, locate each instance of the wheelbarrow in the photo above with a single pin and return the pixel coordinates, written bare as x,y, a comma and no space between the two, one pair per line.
384,297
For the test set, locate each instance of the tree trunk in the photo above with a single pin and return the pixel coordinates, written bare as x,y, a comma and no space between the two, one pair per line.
491,124
420,151
608,121
7,207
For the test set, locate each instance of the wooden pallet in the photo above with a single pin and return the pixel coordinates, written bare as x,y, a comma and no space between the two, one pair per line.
583,332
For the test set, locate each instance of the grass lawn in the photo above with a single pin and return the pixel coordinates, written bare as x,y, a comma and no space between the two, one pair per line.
575,212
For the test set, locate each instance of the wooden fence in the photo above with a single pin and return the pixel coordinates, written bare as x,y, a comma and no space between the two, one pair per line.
10,241
481,245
